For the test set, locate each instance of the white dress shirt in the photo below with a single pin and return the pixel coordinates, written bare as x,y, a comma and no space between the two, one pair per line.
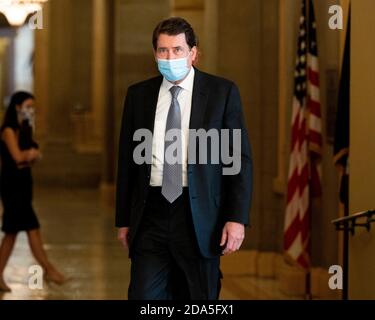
162,109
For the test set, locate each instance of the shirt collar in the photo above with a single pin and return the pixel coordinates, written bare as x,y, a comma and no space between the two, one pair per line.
186,84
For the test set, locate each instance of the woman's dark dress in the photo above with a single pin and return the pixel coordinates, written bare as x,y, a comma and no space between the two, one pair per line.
16,188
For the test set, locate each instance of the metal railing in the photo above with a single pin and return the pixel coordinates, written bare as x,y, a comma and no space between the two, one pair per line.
349,223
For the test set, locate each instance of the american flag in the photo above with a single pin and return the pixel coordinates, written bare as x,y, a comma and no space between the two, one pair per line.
304,178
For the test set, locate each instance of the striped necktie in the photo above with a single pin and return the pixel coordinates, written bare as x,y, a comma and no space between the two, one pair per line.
172,173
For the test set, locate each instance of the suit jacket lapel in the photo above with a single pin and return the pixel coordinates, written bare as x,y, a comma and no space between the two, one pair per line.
198,104
151,101
199,101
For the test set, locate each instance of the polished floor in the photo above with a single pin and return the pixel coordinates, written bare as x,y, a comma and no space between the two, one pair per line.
80,239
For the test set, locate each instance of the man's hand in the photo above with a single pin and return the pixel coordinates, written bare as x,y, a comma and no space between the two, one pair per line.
123,237
232,237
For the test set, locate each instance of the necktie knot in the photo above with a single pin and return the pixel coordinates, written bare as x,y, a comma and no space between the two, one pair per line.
175,90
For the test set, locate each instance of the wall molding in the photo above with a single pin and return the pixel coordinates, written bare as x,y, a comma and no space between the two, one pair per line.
272,265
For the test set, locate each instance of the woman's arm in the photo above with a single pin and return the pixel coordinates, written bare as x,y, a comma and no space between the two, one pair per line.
19,156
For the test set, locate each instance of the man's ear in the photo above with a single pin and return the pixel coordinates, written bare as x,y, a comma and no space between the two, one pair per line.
195,55
194,51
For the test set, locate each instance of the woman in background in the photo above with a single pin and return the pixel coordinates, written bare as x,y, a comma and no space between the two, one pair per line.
18,153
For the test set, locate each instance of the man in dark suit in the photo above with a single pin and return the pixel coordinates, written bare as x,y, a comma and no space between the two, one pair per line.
178,217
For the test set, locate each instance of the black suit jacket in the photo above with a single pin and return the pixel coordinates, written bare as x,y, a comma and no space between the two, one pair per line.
214,198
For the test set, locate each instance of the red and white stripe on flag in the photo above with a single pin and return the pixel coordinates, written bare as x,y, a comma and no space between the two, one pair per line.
304,178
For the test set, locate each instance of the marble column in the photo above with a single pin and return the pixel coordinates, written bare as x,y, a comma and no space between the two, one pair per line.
103,90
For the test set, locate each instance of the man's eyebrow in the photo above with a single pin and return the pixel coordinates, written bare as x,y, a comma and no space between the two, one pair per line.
177,47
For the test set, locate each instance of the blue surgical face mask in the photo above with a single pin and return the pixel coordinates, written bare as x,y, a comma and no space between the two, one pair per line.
175,69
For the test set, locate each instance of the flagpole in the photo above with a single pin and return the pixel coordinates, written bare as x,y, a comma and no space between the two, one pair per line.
308,273
345,262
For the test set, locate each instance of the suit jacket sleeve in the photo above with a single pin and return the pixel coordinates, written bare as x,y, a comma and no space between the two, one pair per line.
237,188
124,167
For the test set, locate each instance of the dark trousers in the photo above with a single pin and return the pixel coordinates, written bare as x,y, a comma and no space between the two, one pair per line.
165,262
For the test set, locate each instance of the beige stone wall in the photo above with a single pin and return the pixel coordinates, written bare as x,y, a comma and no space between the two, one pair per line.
63,66
362,146
63,73
248,47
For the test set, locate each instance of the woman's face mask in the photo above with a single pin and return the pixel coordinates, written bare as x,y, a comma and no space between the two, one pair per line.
27,113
